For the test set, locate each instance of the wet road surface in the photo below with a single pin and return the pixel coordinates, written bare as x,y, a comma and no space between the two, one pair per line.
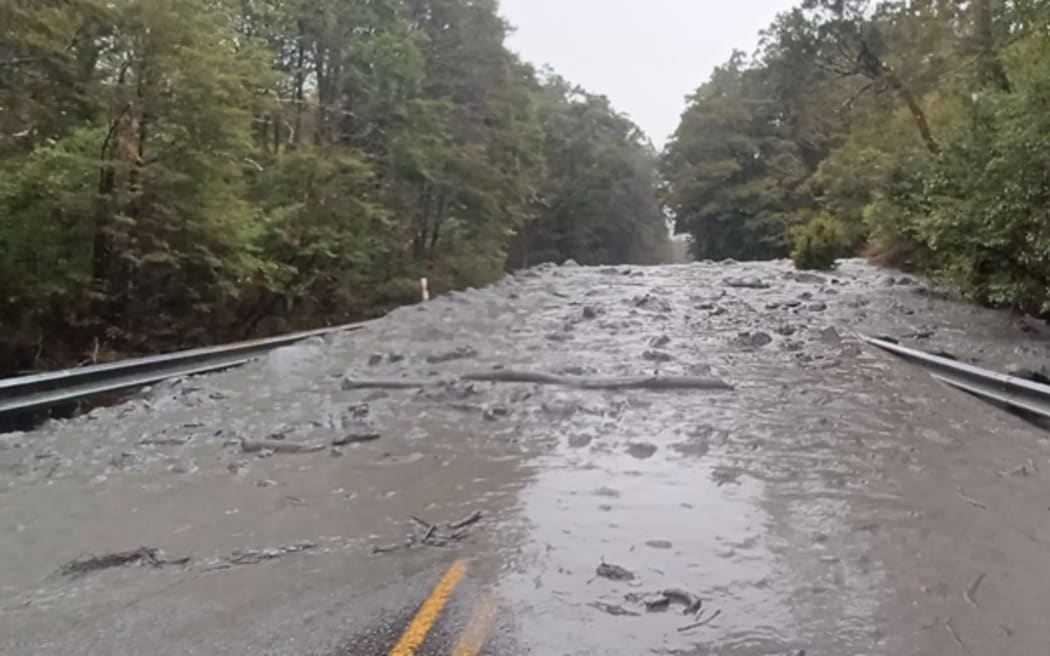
837,502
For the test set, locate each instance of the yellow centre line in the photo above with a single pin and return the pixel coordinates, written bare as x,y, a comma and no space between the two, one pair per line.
477,631
428,613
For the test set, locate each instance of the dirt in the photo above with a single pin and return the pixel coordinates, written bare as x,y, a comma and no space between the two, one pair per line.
835,501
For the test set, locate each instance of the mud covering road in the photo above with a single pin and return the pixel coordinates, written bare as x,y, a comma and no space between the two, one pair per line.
838,502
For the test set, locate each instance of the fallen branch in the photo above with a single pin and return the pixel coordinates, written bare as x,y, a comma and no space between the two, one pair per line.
653,383
971,593
432,535
955,634
350,384
700,624
279,446
614,383
971,500
150,556
469,520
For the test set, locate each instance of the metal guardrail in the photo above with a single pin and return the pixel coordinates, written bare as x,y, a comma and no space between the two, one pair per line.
1001,389
45,390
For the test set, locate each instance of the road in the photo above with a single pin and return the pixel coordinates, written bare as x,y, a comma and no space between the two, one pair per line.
836,502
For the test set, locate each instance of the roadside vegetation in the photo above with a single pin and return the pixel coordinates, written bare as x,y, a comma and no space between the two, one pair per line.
915,132
180,172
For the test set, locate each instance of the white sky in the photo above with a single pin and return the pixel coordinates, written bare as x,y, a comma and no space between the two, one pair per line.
645,55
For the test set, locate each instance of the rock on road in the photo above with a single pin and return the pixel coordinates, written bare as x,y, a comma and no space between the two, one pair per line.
837,502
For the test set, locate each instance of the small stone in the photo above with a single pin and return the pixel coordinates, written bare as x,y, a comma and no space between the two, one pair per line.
590,313
660,342
265,483
658,356
375,360
650,302
754,340
461,353
496,412
786,330
394,358
580,441
830,336
747,283
809,278
642,451
659,544
818,307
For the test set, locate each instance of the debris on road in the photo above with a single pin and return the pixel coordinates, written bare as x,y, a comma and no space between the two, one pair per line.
433,535
658,602
357,432
351,384
641,450
596,383
747,283
697,625
692,603
970,500
257,556
971,593
150,556
614,572
611,609
279,446
469,520
462,353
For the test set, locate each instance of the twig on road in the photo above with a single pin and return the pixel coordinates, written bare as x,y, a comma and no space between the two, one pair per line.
700,624
955,634
432,535
971,593
469,520
971,500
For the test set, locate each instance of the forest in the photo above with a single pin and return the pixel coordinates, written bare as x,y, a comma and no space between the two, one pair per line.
184,172
913,132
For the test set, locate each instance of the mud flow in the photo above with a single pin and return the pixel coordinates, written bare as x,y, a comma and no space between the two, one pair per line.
826,499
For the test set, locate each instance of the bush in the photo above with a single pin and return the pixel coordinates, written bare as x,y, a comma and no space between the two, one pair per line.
820,243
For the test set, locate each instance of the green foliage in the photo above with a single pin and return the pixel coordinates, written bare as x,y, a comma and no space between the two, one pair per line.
181,172
820,243
912,131
597,203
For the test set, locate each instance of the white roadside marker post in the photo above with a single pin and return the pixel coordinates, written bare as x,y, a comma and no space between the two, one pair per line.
426,292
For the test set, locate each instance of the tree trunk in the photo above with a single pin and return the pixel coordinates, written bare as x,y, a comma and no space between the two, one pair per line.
990,67
917,112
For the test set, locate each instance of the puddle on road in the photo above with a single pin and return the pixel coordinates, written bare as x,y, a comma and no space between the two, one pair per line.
811,507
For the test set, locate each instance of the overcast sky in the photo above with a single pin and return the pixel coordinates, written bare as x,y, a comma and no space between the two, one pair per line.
645,55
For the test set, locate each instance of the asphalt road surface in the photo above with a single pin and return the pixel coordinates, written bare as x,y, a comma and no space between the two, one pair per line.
836,502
